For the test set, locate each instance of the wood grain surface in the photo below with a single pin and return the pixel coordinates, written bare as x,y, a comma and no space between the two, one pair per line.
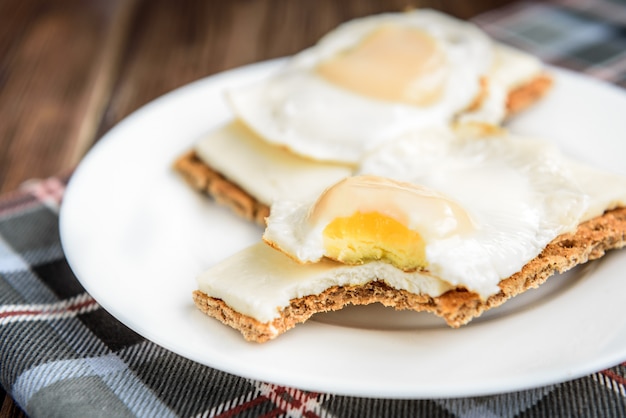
72,69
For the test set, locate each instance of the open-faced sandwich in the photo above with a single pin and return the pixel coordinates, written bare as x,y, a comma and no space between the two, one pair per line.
452,221
378,164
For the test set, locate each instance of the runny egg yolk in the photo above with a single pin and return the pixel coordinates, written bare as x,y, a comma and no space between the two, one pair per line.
393,63
370,218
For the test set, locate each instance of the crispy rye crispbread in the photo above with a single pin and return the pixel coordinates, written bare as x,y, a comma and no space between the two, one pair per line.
457,307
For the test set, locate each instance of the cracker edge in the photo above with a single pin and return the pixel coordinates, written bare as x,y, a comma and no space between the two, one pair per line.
205,179
524,96
457,307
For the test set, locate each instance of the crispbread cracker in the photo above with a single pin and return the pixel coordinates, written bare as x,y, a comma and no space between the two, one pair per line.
457,307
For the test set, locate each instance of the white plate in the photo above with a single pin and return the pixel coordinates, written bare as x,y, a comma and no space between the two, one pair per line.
136,236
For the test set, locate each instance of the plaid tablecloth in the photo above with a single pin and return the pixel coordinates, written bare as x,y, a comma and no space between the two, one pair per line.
62,355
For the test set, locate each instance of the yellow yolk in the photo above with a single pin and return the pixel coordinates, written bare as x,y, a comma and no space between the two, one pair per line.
393,63
375,218
371,236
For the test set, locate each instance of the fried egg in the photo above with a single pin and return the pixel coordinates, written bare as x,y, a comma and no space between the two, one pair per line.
468,210
368,81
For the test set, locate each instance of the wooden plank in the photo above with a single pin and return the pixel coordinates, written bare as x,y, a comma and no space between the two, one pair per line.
59,60
174,43
9,408
55,62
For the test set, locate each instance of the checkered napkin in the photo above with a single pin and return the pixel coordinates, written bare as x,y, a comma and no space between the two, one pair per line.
587,36
62,355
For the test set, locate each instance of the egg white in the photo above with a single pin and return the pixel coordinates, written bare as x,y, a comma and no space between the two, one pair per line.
300,110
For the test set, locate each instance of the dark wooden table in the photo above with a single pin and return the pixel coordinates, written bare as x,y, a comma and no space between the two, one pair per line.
72,69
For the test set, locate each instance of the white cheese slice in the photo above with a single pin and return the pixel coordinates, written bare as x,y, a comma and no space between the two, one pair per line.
260,281
265,171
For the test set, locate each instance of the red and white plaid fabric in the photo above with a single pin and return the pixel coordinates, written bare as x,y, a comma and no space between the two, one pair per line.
61,354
